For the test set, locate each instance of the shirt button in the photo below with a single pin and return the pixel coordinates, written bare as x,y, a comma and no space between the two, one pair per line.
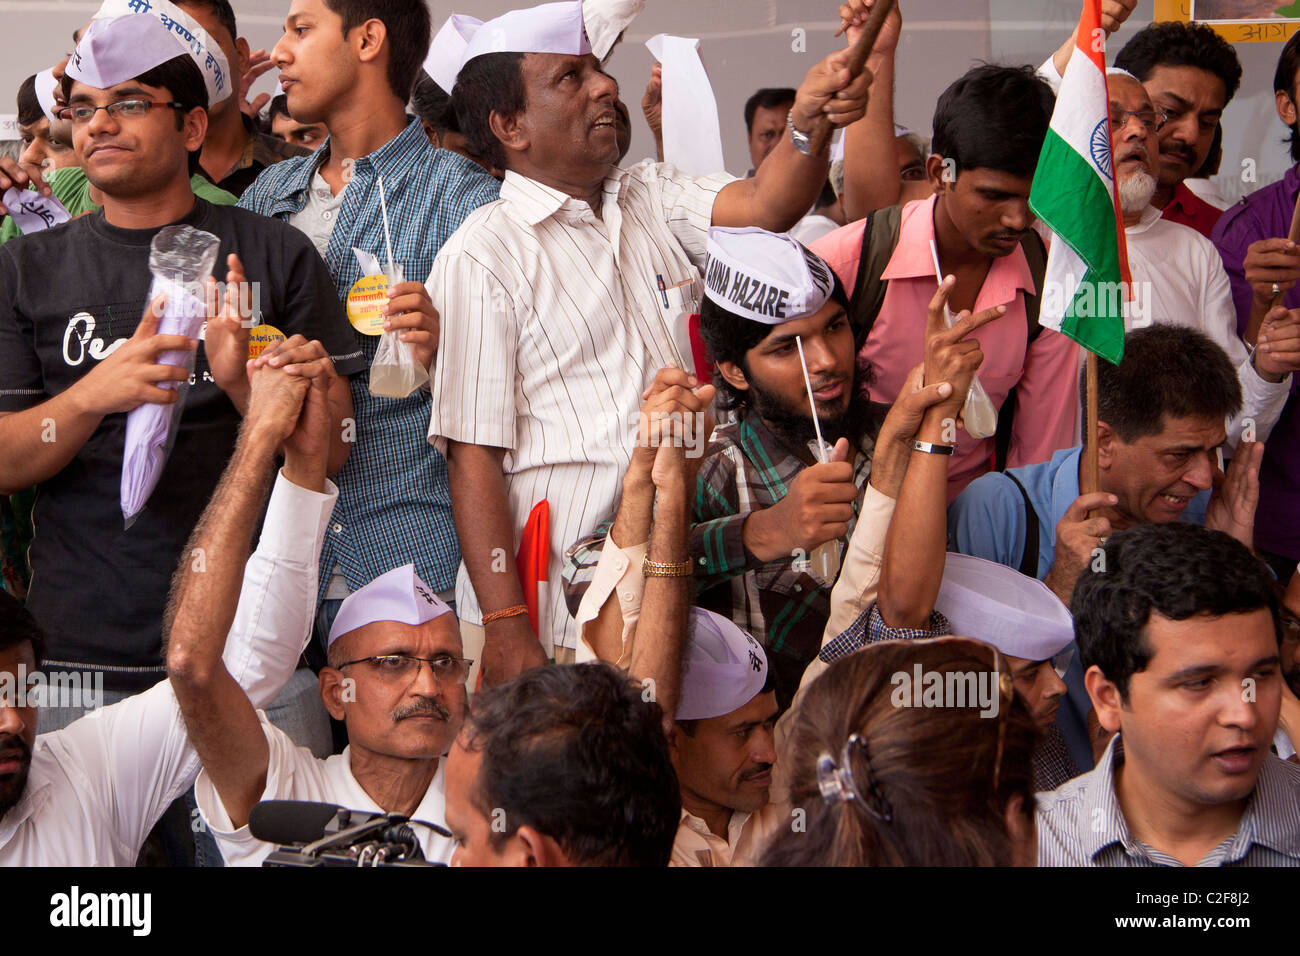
336,528
327,214
629,596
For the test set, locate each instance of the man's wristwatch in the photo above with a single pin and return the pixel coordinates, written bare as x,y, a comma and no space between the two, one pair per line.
802,141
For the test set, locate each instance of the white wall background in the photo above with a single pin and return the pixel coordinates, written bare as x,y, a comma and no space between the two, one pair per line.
748,44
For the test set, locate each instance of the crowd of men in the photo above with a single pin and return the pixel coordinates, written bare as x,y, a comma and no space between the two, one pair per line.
689,550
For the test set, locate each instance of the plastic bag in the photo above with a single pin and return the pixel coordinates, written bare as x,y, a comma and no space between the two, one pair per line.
181,258
395,372
824,562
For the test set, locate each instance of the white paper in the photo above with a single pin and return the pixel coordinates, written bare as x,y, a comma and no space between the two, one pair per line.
692,137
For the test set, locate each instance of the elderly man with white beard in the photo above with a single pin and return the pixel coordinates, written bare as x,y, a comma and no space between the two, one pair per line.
1178,277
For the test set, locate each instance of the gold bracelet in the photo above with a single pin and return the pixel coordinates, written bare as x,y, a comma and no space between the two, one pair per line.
514,611
666,569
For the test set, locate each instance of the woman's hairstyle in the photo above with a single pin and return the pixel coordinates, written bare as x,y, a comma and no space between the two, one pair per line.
887,778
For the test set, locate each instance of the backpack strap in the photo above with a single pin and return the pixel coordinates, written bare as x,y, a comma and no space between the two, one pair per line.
1029,557
879,237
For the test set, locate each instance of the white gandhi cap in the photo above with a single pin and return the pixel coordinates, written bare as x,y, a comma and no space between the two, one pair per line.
1017,614
723,668
397,595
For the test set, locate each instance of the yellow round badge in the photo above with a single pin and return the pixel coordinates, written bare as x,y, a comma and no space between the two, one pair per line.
366,300
261,337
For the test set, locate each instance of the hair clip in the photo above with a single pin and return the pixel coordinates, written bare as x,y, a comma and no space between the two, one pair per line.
836,783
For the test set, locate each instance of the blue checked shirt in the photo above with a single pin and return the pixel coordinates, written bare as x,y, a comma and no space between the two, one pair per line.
394,502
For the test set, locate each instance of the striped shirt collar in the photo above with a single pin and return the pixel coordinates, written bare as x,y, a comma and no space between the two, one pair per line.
534,201
1276,798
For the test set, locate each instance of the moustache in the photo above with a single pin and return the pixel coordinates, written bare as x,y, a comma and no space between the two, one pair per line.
12,742
423,707
755,771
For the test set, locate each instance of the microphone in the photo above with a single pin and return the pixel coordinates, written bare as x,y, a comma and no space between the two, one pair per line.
286,822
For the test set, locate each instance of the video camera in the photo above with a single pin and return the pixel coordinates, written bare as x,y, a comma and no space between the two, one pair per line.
322,834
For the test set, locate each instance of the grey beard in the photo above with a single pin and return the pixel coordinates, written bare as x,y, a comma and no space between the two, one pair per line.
1135,192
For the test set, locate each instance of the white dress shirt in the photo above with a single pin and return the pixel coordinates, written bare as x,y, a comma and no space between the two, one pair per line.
97,787
1179,279
553,323
293,773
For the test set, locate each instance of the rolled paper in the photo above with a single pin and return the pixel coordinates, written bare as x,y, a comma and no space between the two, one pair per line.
692,136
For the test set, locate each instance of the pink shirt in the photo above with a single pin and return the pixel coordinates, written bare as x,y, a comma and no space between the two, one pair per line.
1047,406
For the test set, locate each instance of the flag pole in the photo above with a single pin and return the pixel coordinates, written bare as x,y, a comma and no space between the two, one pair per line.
1091,477
1294,236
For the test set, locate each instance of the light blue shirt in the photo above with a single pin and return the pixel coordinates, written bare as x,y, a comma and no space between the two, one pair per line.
988,520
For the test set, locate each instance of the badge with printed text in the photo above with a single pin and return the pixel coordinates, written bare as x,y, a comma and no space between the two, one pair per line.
261,337
366,301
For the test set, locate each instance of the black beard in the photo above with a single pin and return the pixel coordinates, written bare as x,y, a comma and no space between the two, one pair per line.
794,426
12,786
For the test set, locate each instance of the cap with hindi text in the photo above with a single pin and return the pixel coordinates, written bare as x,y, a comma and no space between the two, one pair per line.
397,595
129,37
723,668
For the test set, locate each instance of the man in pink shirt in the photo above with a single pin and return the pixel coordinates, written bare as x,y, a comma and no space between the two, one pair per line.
989,127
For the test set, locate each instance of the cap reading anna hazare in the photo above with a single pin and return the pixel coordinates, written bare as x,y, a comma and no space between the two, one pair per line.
764,276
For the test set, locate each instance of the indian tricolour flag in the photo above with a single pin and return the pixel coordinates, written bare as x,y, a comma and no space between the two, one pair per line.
1074,194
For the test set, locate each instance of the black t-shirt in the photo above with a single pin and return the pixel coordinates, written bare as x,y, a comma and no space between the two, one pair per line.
67,296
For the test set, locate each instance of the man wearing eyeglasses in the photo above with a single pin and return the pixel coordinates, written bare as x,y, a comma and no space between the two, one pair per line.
1191,74
1178,276
395,678
78,350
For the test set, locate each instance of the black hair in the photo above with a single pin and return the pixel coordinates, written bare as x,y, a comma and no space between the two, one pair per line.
1177,570
224,13
409,31
994,117
575,751
18,626
1168,371
1171,43
728,336
487,84
180,76
432,104
1284,82
768,98
29,104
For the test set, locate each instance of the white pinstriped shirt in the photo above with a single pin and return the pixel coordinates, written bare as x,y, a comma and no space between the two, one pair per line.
553,323
1080,823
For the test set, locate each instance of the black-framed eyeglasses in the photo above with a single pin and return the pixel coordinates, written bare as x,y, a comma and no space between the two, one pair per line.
82,112
1153,121
405,667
